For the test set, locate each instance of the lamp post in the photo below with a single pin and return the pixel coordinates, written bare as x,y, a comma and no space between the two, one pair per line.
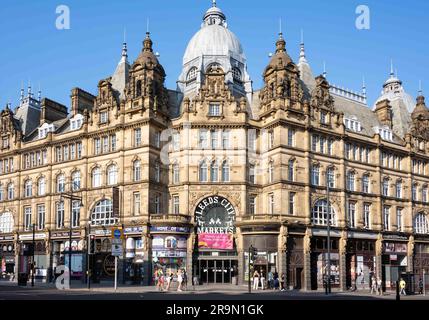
328,283
32,254
72,198
88,256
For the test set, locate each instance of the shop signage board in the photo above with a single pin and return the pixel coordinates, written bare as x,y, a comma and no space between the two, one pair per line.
30,236
215,217
133,230
102,232
170,229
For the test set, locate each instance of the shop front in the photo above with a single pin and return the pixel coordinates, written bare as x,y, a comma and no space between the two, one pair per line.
394,262
319,262
102,262
7,257
215,254
169,249
360,263
134,254
421,262
295,262
266,259
41,258
60,254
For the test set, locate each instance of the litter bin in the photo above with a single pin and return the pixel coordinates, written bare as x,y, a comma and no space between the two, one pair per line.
22,279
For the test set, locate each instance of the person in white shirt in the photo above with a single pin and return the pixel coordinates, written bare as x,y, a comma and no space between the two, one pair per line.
255,280
179,280
262,280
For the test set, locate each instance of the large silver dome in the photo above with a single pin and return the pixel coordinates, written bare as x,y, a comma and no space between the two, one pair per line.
214,40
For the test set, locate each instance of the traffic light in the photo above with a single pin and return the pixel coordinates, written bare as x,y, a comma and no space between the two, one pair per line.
253,253
91,247
28,250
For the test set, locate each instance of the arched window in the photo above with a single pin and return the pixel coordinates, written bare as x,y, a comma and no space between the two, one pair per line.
236,74
385,187
320,213
28,188
350,181
76,180
192,74
176,173
137,170
421,224
214,171
214,67
61,183
225,171
6,222
10,191
203,171
96,177
112,175
41,186
102,214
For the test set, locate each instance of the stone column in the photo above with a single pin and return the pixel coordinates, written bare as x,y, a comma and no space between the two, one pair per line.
240,253
410,254
307,260
189,257
378,254
147,258
282,254
343,264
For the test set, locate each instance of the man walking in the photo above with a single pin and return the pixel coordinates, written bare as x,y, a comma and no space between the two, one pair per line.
421,286
373,285
402,285
380,286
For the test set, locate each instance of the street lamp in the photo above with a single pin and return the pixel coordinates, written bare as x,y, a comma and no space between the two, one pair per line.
328,283
32,254
72,198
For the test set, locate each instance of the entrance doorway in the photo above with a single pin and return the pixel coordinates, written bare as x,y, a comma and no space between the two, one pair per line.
217,271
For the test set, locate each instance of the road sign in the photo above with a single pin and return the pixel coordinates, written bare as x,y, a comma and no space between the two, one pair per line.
117,233
117,241
117,250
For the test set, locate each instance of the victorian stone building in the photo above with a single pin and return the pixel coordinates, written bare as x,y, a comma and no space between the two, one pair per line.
198,174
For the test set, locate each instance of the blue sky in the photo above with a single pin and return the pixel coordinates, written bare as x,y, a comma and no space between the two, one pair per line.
33,49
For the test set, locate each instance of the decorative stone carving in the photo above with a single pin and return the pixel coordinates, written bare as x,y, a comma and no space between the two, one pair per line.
307,242
411,244
379,245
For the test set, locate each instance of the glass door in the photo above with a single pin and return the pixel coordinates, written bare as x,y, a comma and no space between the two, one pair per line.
218,271
211,271
226,271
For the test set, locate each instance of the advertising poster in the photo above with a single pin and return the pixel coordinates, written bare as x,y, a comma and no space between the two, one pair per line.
221,241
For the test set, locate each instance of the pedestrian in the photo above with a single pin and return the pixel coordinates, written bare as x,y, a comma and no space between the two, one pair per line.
196,281
373,285
283,282
402,285
421,286
270,280
262,280
380,286
179,280
160,279
255,280
185,280
276,281
169,280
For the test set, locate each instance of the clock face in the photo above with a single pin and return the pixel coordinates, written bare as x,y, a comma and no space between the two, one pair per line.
215,214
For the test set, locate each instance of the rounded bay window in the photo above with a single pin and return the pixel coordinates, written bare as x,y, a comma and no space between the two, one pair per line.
102,214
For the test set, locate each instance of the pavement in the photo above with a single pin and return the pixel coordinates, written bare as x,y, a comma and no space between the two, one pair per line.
106,291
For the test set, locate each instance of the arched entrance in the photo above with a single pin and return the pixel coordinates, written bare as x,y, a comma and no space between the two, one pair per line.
215,255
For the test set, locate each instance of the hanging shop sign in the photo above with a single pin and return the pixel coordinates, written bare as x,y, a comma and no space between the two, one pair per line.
215,217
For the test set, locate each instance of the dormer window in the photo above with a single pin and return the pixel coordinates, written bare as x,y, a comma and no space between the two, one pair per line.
5,143
76,122
352,124
45,129
385,133
214,109
192,75
236,74
323,117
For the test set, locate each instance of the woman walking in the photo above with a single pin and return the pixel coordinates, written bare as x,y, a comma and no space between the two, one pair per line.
179,280
255,280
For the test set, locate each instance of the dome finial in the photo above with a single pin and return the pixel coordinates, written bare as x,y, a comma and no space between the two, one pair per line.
302,49
420,88
147,43
214,3
363,87
324,69
392,73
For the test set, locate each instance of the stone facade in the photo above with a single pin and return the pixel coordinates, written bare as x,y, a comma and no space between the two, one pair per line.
270,154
